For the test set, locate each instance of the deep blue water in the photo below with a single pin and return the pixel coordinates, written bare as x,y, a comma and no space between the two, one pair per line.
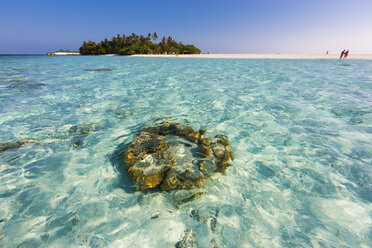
301,131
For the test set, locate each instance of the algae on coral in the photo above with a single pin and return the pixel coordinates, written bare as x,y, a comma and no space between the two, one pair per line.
174,156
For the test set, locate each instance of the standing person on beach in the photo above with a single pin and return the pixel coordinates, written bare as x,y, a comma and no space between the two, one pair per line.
346,54
342,53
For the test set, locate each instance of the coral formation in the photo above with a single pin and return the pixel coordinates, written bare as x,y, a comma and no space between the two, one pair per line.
174,156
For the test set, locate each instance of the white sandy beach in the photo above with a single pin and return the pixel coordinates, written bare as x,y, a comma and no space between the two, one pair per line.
262,56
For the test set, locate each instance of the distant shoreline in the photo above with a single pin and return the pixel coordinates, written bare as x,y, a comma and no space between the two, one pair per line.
257,56
228,56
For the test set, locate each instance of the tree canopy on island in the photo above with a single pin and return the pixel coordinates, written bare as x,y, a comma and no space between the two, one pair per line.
134,44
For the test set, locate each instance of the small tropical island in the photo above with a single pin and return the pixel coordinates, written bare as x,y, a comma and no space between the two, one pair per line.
134,44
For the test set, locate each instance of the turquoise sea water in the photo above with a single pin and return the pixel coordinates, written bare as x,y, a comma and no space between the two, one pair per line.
301,131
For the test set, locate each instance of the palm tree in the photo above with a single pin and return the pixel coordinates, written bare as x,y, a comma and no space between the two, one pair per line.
170,40
114,43
135,37
154,36
119,40
132,44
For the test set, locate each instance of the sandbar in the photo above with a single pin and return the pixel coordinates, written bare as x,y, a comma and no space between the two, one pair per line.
258,56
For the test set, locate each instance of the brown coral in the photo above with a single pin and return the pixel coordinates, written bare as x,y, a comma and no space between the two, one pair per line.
172,155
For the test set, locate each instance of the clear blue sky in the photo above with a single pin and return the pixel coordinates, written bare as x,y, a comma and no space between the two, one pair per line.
230,26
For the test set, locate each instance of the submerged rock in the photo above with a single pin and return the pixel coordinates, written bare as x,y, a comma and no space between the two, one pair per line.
174,156
99,69
355,120
75,134
15,144
79,132
180,197
82,129
188,240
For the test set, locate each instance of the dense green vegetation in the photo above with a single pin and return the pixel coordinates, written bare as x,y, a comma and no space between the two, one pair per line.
134,44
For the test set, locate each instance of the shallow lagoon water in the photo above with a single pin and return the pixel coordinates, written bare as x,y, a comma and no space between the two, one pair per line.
301,132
